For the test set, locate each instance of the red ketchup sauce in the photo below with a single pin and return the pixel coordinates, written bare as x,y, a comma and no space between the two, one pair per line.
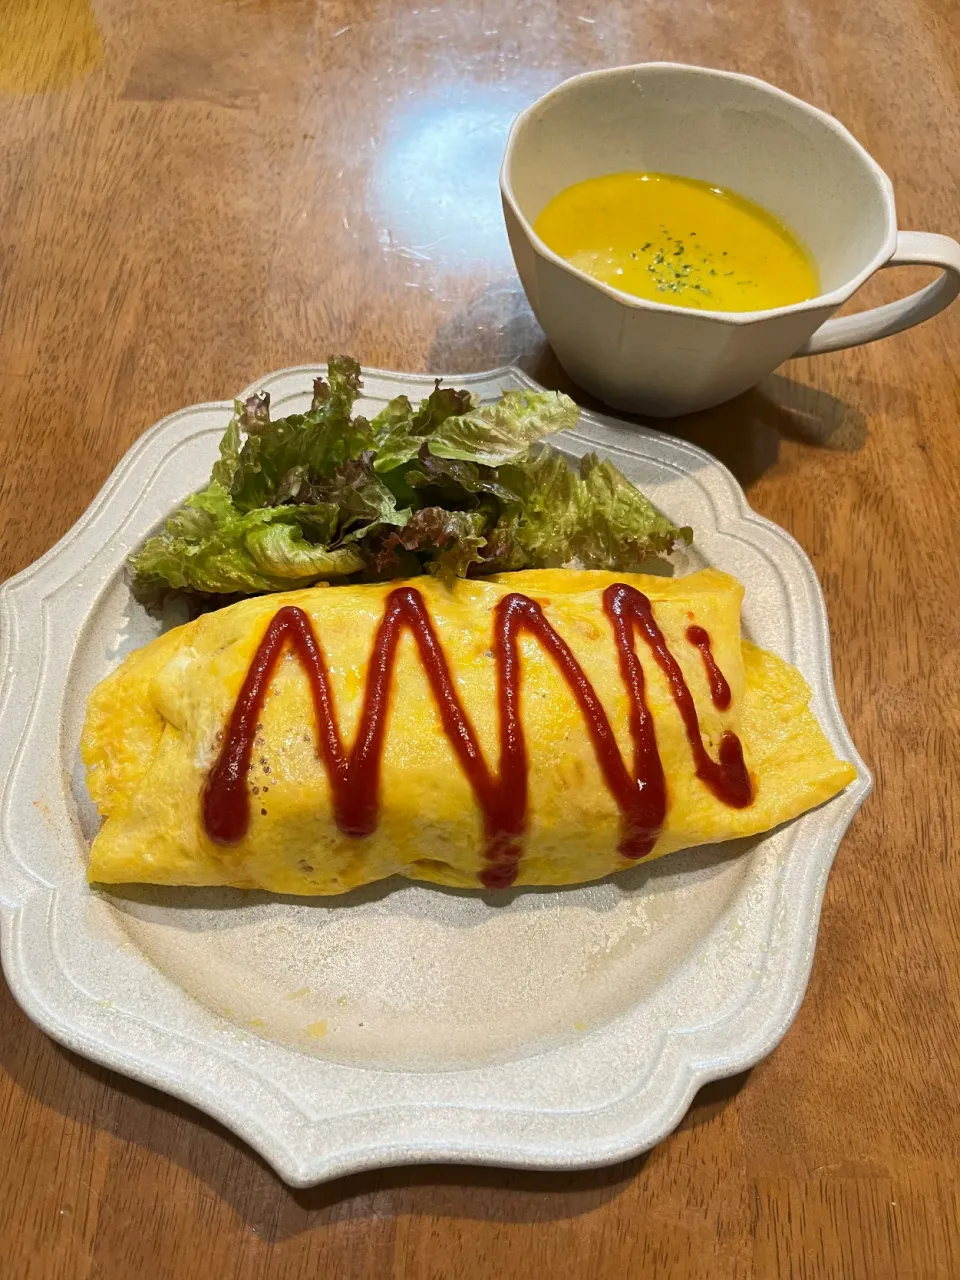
354,775
719,689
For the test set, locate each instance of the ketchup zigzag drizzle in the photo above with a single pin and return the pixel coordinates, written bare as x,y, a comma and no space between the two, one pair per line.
641,796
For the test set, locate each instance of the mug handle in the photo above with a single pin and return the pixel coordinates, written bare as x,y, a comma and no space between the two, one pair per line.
914,248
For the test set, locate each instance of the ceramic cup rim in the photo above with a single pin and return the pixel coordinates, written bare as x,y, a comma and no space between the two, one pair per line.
832,299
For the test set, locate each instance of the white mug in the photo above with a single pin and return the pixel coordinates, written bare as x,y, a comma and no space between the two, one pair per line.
736,132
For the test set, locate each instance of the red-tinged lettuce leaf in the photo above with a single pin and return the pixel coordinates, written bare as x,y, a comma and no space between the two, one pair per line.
447,542
341,387
311,444
441,404
360,497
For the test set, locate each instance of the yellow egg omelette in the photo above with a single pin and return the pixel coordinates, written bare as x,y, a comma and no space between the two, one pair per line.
547,727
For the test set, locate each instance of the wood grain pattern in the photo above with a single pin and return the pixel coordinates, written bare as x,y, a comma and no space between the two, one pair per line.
198,191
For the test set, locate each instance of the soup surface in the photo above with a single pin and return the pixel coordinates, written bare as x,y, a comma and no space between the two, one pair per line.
680,241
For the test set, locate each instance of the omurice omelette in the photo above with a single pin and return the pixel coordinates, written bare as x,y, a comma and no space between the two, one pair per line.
546,727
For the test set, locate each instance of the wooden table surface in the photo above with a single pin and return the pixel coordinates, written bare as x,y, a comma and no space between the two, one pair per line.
195,192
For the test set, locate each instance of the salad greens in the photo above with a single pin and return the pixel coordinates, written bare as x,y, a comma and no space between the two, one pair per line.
451,487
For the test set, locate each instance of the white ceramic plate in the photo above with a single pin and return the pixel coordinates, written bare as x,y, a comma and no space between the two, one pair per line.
402,1023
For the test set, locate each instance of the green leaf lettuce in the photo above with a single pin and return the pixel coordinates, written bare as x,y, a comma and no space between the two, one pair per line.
450,486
